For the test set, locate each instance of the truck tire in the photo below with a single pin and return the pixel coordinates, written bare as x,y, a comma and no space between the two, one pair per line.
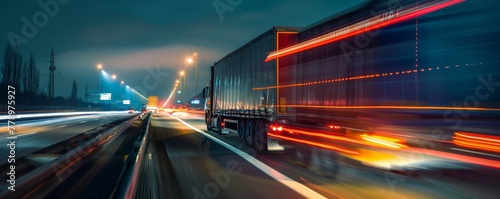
249,131
208,121
241,130
329,163
219,126
302,155
260,136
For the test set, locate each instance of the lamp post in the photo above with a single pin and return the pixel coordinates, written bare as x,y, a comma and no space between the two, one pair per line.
183,75
99,73
190,60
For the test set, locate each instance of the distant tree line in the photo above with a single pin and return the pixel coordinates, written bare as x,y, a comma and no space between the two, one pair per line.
24,75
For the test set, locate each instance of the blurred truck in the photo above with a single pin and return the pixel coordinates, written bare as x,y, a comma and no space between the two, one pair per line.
152,104
365,84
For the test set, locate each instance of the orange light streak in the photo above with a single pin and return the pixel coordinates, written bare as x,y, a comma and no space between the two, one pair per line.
474,140
323,135
477,146
489,138
390,142
314,144
378,140
477,141
458,157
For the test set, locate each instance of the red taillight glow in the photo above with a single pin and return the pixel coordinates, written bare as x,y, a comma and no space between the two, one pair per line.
334,127
276,128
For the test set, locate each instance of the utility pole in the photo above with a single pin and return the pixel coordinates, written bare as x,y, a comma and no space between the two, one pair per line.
52,68
86,92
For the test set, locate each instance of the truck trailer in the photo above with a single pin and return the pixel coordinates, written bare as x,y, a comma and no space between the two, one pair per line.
389,75
234,105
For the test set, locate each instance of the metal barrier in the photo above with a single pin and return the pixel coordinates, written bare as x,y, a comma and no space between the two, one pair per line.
33,184
128,189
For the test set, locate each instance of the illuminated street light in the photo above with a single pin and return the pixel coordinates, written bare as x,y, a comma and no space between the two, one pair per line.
190,61
100,73
122,82
113,76
183,75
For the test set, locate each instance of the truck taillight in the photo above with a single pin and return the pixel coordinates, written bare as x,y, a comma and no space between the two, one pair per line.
334,127
276,128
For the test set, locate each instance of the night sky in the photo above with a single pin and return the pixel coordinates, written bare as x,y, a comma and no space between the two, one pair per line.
133,39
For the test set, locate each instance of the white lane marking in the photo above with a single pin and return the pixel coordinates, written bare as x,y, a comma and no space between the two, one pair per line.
62,126
82,122
285,180
476,152
27,134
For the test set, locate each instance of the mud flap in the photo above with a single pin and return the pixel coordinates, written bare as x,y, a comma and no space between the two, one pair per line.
273,145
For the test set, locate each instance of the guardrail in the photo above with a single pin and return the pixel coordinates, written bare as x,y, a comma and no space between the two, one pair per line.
129,187
42,180
24,117
45,108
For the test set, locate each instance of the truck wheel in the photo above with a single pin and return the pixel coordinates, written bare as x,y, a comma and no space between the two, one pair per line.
329,163
302,155
241,130
249,130
219,126
260,136
207,121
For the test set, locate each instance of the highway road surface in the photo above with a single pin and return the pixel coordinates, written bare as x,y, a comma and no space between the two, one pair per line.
186,161
35,134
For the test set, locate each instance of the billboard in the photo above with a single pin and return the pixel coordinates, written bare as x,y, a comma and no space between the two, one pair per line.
105,96
196,101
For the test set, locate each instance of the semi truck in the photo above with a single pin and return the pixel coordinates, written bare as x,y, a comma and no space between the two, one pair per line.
152,104
233,104
388,75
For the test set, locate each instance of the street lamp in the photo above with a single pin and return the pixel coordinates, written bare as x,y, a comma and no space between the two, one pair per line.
99,73
113,76
190,61
183,75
